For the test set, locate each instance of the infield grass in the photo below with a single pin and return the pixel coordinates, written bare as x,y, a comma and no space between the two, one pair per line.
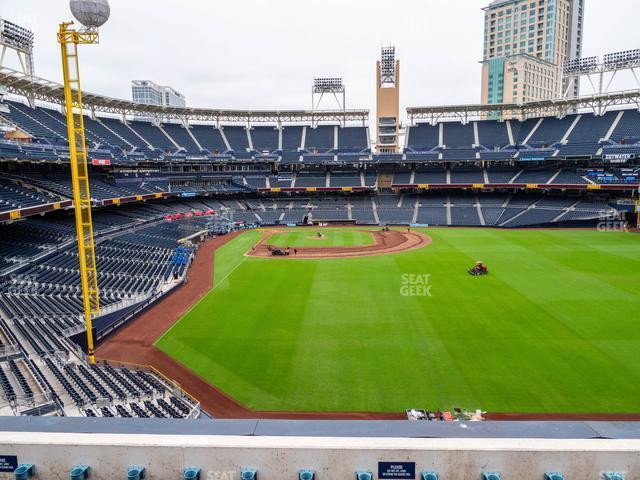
331,237
552,328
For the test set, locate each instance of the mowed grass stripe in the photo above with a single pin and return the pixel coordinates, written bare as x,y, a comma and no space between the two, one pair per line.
552,328
229,256
226,259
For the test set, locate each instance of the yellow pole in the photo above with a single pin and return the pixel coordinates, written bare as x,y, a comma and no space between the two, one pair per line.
69,39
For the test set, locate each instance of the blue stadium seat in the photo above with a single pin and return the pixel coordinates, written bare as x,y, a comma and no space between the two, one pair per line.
249,474
191,473
135,473
80,472
491,476
306,475
25,471
553,476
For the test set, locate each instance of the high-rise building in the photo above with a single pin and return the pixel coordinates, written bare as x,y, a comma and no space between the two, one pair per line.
526,43
146,91
387,101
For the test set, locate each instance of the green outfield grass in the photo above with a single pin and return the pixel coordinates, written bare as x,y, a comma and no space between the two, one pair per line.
331,237
552,328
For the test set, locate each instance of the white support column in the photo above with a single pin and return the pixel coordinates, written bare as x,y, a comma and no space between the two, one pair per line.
151,147
613,126
513,180
114,133
416,207
480,214
193,137
476,135
573,125
304,137
554,176
224,138
510,133
375,210
249,139
533,130
336,130
441,134
168,136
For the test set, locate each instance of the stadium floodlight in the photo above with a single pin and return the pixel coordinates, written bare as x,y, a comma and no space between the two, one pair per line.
601,74
328,85
19,40
388,64
16,36
580,66
588,64
625,59
332,86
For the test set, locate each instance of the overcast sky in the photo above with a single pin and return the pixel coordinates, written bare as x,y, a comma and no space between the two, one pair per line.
263,54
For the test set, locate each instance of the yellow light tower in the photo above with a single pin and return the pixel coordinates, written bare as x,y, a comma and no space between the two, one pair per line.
92,14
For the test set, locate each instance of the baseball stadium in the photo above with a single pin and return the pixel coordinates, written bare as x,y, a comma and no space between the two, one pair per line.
419,292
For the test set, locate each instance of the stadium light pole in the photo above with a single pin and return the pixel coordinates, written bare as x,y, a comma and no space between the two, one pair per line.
91,14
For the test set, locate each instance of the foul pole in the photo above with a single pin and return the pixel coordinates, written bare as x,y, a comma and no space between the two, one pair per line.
69,39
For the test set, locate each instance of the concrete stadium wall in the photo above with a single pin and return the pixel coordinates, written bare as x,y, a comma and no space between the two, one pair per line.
280,457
